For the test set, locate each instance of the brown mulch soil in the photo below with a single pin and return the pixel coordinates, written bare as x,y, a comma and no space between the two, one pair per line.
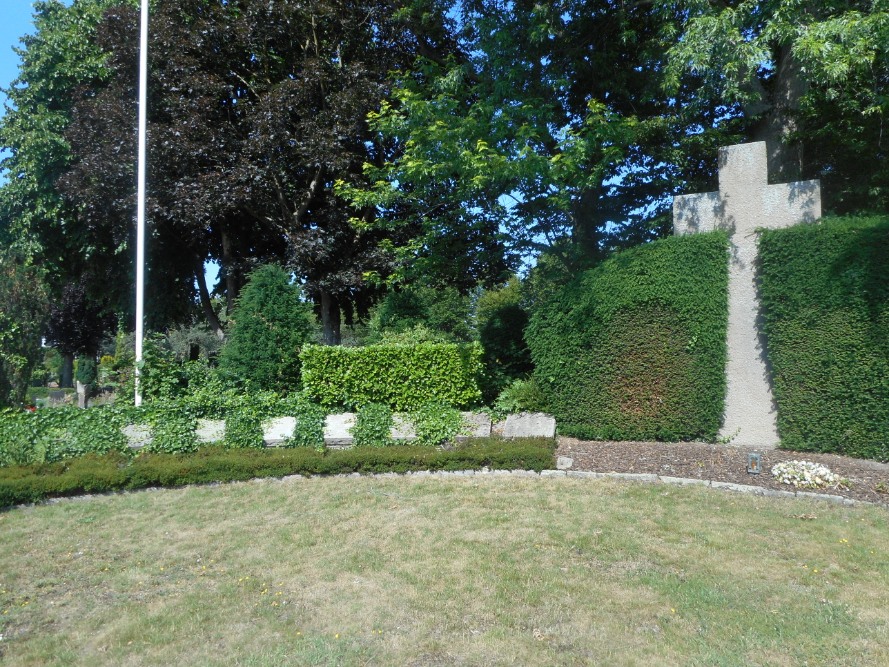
867,480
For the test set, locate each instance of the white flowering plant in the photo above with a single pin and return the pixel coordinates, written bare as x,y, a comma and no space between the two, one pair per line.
806,475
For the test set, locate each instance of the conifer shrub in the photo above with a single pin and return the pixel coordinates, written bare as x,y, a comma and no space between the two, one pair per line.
271,323
635,348
825,299
115,471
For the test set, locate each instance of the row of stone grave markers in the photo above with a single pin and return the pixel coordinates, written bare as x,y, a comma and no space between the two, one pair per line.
744,204
338,429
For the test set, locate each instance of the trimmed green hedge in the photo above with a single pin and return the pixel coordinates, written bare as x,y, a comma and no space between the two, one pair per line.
825,297
404,377
115,471
636,347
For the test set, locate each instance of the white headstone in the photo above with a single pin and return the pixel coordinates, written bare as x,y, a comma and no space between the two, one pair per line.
744,204
338,429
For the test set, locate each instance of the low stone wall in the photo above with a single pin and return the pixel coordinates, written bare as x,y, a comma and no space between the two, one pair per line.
338,429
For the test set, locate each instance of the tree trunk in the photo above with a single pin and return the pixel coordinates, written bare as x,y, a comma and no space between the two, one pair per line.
586,229
330,318
228,269
785,159
206,302
66,374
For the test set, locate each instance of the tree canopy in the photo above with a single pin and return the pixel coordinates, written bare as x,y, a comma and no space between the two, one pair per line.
364,144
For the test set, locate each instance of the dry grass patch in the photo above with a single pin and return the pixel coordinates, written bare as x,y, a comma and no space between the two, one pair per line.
441,571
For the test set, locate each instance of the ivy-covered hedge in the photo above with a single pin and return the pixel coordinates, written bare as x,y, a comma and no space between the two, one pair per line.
404,377
114,471
825,297
635,348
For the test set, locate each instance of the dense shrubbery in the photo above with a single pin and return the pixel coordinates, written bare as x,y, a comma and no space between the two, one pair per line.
825,297
271,323
635,348
502,320
114,471
404,377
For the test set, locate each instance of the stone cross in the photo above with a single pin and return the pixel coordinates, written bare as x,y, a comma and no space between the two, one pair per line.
744,204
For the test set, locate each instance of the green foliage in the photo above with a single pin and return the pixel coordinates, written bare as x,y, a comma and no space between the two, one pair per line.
635,348
115,471
243,428
373,426
501,325
404,377
310,417
825,297
522,396
436,423
271,323
813,72
173,432
55,434
442,315
87,372
23,314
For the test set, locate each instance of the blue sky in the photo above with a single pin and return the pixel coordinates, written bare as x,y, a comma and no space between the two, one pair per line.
15,21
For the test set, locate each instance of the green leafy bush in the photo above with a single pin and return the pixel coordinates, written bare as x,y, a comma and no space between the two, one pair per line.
243,428
521,396
373,426
436,423
271,322
502,319
442,315
636,347
173,432
825,298
404,377
115,471
55,434
310,417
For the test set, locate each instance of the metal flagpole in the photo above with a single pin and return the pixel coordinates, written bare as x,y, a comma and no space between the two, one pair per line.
140,213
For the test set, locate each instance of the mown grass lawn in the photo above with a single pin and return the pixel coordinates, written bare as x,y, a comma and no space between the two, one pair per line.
438,571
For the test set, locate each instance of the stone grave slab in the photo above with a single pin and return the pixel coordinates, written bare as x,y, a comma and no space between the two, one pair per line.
402,428
276,431
138,435
530,425
210,430
744,204
476,425
338,429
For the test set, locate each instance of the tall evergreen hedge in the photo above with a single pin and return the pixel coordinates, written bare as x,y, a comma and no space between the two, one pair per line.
825,296
635,347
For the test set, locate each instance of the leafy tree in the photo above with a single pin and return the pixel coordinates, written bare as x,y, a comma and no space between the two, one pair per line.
76,326
548,122
270,324
23,309
256,109
35,218
811,79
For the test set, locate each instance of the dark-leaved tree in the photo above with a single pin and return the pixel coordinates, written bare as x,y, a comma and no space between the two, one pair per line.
257,108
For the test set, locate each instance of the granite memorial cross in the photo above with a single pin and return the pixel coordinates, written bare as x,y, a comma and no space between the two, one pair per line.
745,203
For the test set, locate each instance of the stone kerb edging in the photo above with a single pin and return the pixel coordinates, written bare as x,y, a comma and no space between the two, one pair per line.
338,429
634,477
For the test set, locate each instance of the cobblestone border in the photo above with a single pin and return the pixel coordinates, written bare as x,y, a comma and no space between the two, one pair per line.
633,477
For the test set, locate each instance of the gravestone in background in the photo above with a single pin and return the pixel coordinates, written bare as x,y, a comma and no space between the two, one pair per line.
745,203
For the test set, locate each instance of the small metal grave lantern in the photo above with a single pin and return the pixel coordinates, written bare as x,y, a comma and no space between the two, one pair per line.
754,463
